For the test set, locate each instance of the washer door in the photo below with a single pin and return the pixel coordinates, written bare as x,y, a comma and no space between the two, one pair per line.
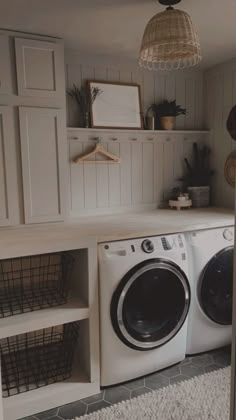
216,287
150,304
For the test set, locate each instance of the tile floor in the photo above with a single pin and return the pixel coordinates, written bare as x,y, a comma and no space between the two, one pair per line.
191,366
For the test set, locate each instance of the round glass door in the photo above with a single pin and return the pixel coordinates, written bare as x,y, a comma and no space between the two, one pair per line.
216,287
150,304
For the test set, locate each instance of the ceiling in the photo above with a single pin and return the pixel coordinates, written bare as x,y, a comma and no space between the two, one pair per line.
114,28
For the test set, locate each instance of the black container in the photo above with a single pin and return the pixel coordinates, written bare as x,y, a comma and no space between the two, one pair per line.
34,282
36,359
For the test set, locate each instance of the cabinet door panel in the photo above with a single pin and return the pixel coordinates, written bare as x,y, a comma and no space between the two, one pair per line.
40,68
5,66
43,148
7,168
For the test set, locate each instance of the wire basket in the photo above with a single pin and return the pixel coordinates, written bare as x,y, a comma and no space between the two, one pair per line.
36,359
34,282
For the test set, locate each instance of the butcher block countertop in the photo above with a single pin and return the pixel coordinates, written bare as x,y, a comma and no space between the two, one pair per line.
89,230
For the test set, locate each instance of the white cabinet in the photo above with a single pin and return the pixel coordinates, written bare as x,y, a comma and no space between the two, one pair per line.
44,163
7,168
5,65
40,68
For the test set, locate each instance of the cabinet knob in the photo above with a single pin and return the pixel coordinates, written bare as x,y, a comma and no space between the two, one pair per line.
114,138
150,138
70,138
134,139
168,139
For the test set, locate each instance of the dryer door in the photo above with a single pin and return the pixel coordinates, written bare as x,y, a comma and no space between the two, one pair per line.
215,288
150,304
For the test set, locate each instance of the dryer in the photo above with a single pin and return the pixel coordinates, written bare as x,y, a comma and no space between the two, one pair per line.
210,254
144,303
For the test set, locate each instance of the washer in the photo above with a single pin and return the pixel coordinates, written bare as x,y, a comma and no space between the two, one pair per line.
210,254
144,302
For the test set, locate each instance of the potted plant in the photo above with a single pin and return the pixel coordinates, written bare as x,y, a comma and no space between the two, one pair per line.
198,175
84,99
166,113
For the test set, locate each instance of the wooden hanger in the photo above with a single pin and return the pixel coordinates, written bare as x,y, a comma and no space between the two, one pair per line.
98,149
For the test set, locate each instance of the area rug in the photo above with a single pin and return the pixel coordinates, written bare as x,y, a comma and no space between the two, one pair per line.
205,397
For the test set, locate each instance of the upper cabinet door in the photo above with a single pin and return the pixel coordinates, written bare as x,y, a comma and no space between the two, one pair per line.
5,66
40,68
44,163
8,184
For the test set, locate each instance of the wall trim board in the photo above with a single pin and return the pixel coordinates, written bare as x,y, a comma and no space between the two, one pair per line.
31,35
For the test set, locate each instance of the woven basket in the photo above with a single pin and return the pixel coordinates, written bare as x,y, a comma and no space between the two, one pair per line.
200,196
167,123
230,168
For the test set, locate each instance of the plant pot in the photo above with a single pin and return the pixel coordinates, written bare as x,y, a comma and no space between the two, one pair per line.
167,123
200,196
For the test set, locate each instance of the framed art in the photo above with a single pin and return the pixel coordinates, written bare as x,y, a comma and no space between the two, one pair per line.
116,105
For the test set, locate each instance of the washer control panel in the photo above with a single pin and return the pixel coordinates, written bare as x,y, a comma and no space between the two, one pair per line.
159,246
147,246
228,235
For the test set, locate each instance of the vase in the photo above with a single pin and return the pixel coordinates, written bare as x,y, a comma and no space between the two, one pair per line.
200,196
167,123
86,120
150,123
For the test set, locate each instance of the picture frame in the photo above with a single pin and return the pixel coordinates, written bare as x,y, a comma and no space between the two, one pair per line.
118,105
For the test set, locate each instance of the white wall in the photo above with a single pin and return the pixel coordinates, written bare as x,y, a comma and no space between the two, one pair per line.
219,98
148,170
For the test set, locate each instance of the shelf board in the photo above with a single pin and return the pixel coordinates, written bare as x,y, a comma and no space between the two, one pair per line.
73,310
47,397
100,130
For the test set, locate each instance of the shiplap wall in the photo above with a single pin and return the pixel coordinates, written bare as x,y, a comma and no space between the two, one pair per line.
185,86
148,169
219,97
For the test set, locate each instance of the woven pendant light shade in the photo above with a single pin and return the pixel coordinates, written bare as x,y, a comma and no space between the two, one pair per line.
170,42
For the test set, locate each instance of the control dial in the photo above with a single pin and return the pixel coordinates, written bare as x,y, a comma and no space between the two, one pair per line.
147,246
228,235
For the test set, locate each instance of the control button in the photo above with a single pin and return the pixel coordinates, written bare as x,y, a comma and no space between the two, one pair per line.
106,246
166,245
181,245
228,235
147,246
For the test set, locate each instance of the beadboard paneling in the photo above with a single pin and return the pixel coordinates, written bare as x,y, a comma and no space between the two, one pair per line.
185,85
220,97
150,167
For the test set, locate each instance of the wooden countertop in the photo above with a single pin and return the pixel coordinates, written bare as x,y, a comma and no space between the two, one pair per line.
90,230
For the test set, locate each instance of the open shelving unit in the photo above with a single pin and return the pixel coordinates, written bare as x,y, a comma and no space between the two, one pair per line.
122,135
82,308
121,130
